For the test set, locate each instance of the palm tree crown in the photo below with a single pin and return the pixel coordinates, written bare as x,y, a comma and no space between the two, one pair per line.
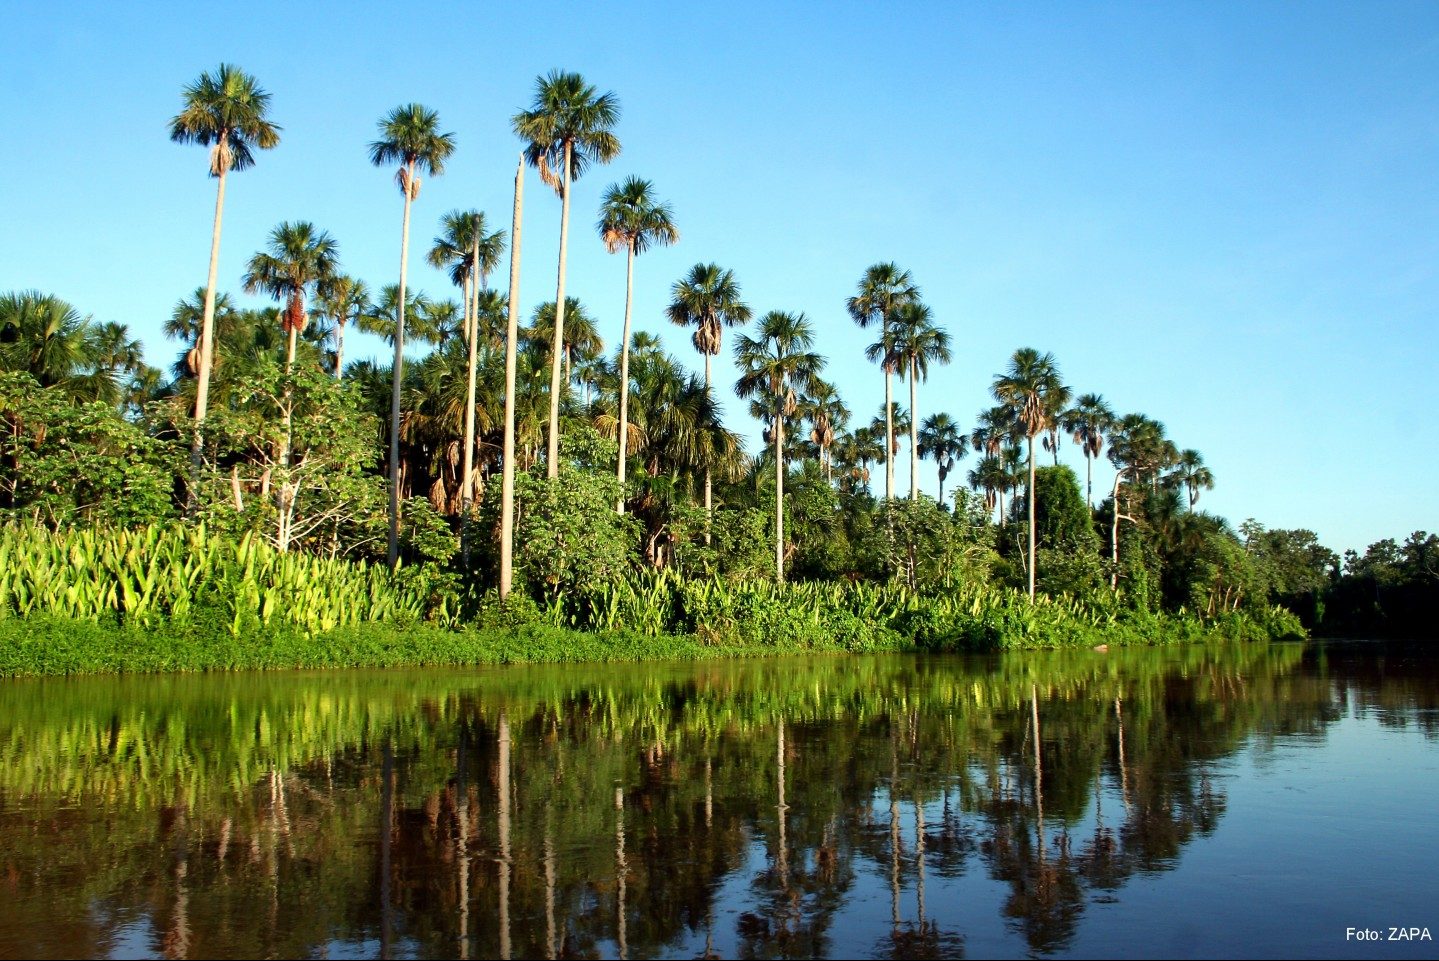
942,440
632,219
466,246
410,137
707,299
225,111
568,120
883,289
300,261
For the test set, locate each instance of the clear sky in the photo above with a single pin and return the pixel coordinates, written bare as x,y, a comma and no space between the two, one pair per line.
1225,216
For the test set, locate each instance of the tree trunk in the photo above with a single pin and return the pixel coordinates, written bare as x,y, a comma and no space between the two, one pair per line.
503,829
282,540
888,436
1089,480
207,342
339,347
1031,518
779,496
552,469
913,438
709,506
467,487
507,467
625,373
393,552
1114,536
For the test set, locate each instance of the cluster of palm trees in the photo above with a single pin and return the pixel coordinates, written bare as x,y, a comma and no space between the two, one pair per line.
660,416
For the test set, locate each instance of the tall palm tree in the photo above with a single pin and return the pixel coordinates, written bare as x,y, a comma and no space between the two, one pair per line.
919,342
224,111
1089,421
1191,474
300,262
942,440
566,129
470,250
1032,389
774,368
409,137
632,220
991,476
707,299
883,289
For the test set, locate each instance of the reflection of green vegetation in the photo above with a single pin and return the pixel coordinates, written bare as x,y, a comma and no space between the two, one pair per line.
246,811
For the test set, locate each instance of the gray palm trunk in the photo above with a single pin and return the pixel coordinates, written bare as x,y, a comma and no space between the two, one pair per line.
625,374
779,495
287,489
1031,517
913,437
393,553
709,506
507,468
207,337
552,469
339,345
467,485
888,435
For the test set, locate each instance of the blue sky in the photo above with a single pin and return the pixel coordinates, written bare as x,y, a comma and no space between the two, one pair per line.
1225,216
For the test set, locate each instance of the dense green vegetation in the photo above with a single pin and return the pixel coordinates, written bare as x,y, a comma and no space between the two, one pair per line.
262,484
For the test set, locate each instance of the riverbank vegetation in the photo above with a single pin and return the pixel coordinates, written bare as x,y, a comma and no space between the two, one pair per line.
514,475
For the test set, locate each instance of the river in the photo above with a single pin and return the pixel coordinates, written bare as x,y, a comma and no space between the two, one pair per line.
1247,801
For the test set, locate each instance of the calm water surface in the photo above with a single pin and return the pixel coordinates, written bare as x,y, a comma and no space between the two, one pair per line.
1245,801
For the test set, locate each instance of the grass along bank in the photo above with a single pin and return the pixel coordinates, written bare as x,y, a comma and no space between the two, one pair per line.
181,599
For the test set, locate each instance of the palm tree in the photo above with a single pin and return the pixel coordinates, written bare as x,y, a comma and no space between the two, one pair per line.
186,324
774,368
47,338
708,299
410,137
632,220
471,251
567,128
827,414
991,476
1191,474
224,111
918,343
883,289
942,440
300,262
345,300
1088,422
581,338
1032,389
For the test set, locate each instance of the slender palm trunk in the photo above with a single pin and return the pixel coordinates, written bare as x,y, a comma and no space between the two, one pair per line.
467,486
779,496
507,468
393,552
941,487
709,504
282,540
1089,480
888,436
207,341
625,373
913,437
1031,517
339,347
1114,536
552,469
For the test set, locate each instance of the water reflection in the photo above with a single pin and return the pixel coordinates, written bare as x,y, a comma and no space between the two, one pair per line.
791,808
